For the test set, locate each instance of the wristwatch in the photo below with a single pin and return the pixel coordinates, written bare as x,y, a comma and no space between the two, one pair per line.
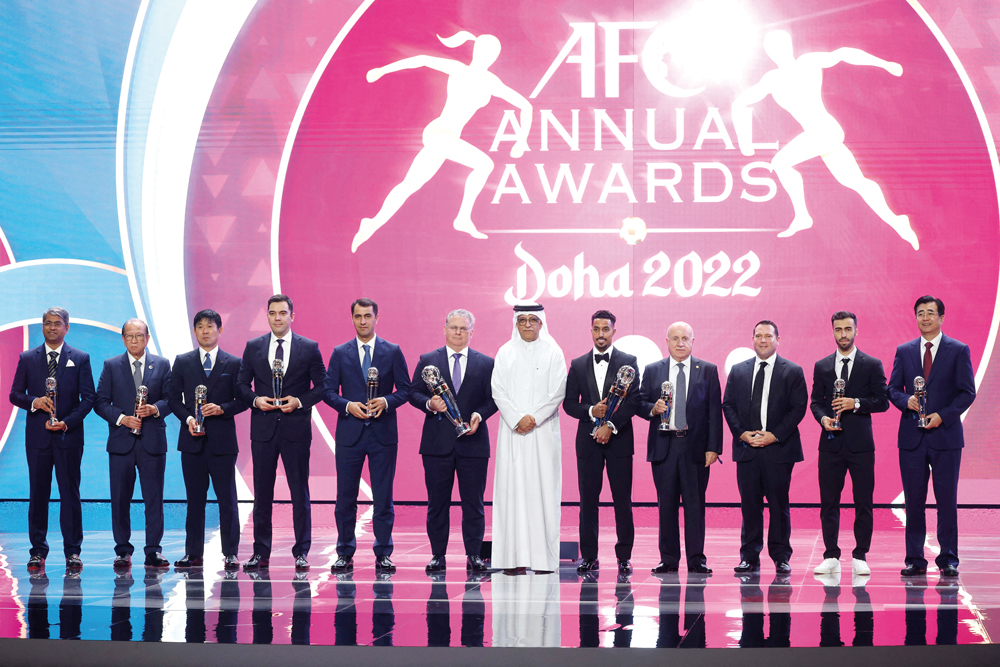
857,404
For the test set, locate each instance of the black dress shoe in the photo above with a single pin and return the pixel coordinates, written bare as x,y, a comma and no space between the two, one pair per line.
664,567
588,565
256,562
699,568
782,567
342,564
949,571
36,562
123,561
475,564
913,571
436,564
384,564
189,561
232,562
156,559
624,566
73,562
744,566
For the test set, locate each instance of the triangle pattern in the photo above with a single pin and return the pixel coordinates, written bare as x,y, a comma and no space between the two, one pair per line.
260,324
262,42
311,41
263,88
216,137
215,228
298,82
960,33
261,183
261,276
215,183
993,71
263,228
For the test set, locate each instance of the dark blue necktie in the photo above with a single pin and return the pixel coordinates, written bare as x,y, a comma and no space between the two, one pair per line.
208,363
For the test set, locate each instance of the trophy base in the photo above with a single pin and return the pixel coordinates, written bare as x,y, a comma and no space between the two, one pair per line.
136,431
198,430
462,429
835,426
923,422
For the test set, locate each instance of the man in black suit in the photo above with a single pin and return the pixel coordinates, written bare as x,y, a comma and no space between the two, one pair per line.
851,447
764,402
590,378
445,455
366,430
280,425
127,452
211,453
56,445
681,457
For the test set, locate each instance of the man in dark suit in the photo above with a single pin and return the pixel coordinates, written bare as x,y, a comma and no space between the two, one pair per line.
210,454
365,430
280,429
590,378
851,447
56,445
764,402
445,455
946,366
127,452
681,457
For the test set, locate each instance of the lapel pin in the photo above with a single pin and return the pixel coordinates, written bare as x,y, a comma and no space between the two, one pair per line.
151,367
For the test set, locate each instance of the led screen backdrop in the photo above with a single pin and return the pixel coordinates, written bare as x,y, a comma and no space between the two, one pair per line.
776,160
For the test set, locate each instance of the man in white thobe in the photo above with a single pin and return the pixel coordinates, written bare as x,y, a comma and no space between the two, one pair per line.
529,384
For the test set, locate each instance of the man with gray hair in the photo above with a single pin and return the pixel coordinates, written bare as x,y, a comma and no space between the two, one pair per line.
53,433
446,454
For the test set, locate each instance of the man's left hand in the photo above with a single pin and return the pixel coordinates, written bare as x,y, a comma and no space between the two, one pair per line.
58,426
843,404
710,458
934,420
763,439
289,404
147,410
474,423
603,434
377,406
211,410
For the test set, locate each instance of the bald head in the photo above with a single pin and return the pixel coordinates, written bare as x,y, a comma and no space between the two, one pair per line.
680,340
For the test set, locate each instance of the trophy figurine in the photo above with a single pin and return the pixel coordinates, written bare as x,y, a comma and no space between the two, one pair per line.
140,400
838,392
277,379
437,385
51,393
200,395
623,381
372,386
920,392
667,396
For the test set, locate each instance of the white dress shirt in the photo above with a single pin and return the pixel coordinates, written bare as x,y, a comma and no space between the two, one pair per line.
58,351
273,347
142,374
840,362
768,372
600,375
361,362
935,344
215,355
674,371
463,362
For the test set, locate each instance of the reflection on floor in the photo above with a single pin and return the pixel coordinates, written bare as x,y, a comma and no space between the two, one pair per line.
456,608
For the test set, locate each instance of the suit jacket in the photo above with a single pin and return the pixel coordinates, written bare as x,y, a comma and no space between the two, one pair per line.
345,384
867,384
438,436
582,394
703,408
951,389
786,406
303,380
116,397
220,430
75,384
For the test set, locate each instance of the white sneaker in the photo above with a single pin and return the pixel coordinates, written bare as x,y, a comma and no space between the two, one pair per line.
860,567
827,566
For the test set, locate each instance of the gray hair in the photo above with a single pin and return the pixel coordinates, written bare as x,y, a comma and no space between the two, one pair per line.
461,312
58,312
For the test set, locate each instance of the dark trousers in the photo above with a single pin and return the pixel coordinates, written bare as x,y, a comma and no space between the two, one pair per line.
676,477
123,469
382,469
915,469
221,470
833,469
66,463
590,477
759,479
439,476
295,459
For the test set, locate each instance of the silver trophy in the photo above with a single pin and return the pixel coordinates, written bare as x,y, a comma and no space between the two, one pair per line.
51,393
838,392
920,391
140,400
623,381
277,380
372,385
437,385
667,396
200,398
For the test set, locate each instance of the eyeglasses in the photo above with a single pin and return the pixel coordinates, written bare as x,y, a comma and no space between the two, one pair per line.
528,321
134,337
459,329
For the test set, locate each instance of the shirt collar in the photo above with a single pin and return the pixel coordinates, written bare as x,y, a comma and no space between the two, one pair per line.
287,337
611,348
770,360
202,352
935,342
686,363
134,359
57,350
852,356
464,351
361,344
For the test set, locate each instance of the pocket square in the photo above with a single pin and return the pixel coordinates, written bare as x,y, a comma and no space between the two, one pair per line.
70,364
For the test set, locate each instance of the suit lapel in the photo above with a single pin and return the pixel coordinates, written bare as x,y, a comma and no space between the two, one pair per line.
859,362
445,368
944,351
595,394
127,369
213,377
697,372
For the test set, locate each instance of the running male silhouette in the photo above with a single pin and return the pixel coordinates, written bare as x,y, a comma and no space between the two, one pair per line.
470,88
797,87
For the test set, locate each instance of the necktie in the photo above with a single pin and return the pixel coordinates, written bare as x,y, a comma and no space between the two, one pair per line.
598,358
927,359
137,374
757,399
843,369
208,363
680,399
52,364
456,372
280,352
367,363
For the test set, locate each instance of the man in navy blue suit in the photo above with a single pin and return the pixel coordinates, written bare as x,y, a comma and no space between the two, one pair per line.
365,430
211,454
127,452
445,455
945,364
56,446
283,429
764,402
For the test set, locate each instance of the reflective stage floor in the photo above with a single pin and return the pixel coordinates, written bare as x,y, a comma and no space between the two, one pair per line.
456,608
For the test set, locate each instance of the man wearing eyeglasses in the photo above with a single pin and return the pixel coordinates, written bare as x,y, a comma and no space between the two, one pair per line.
446,455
